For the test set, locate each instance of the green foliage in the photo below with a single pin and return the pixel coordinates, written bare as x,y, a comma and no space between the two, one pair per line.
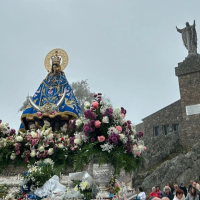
117,157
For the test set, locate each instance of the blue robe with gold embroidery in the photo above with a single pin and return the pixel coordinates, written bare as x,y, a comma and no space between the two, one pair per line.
50,91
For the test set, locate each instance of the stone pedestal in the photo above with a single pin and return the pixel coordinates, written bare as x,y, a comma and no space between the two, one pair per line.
188,73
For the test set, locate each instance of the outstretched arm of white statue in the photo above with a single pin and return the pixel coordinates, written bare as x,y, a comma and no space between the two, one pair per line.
179,30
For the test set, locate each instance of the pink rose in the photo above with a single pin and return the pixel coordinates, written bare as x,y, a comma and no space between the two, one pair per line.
17,152
97,124
95,105
39,114
119,128
145,148
117,185
138,154
135,146
123,115
101,138
72,148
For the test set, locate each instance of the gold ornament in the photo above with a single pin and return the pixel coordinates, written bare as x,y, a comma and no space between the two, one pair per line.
52,55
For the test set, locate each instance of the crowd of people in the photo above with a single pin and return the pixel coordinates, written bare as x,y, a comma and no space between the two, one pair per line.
170,192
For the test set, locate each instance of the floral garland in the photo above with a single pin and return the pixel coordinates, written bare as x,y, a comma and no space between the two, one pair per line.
104,133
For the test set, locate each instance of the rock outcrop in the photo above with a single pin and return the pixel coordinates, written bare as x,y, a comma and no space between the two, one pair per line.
167,161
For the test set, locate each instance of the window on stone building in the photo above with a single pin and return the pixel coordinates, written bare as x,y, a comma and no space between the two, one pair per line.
155,131
175,127
165,129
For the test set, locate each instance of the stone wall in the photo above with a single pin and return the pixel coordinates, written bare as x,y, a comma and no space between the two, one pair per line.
188,73
167,116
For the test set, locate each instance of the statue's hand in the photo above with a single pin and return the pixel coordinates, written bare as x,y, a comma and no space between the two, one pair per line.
176,28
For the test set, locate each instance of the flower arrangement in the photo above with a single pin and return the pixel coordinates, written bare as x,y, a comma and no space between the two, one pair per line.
105,136
29,147
113,187
84,187
37,174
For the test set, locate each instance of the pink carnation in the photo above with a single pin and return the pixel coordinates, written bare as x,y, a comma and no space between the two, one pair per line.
95,105
101,138
97,124
119,128
145,148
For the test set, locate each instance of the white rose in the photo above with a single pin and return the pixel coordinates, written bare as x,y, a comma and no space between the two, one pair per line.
32,154
19,138
41,149
78,122
140,147
33,134
121,136
2,126
77,141
86,105
61,146
7,124
46,132
13,156
50,135
105,120
50,151
133,130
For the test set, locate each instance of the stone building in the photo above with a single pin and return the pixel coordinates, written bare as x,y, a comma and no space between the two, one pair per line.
183,116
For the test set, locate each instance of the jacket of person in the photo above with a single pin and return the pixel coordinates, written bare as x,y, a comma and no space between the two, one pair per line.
169,195
154,194
175,198
190,197
142,196
184,190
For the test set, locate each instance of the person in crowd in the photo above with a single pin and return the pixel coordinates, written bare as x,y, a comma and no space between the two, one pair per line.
179,195
156,198
153,193
167,193
165,198
171,187
182,187
141,195
192,195
175,188
159,192
189,187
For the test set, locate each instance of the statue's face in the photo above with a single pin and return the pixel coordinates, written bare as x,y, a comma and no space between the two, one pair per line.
64,128
56,69
32,127
47,124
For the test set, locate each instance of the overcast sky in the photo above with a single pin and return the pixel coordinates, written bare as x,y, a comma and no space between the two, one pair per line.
127,49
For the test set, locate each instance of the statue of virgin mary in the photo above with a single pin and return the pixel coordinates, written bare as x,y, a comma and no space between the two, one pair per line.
54,103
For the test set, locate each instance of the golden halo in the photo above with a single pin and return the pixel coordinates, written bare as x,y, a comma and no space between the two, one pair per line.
54,52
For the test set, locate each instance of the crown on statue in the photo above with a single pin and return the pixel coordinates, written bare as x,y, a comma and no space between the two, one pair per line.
56,59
